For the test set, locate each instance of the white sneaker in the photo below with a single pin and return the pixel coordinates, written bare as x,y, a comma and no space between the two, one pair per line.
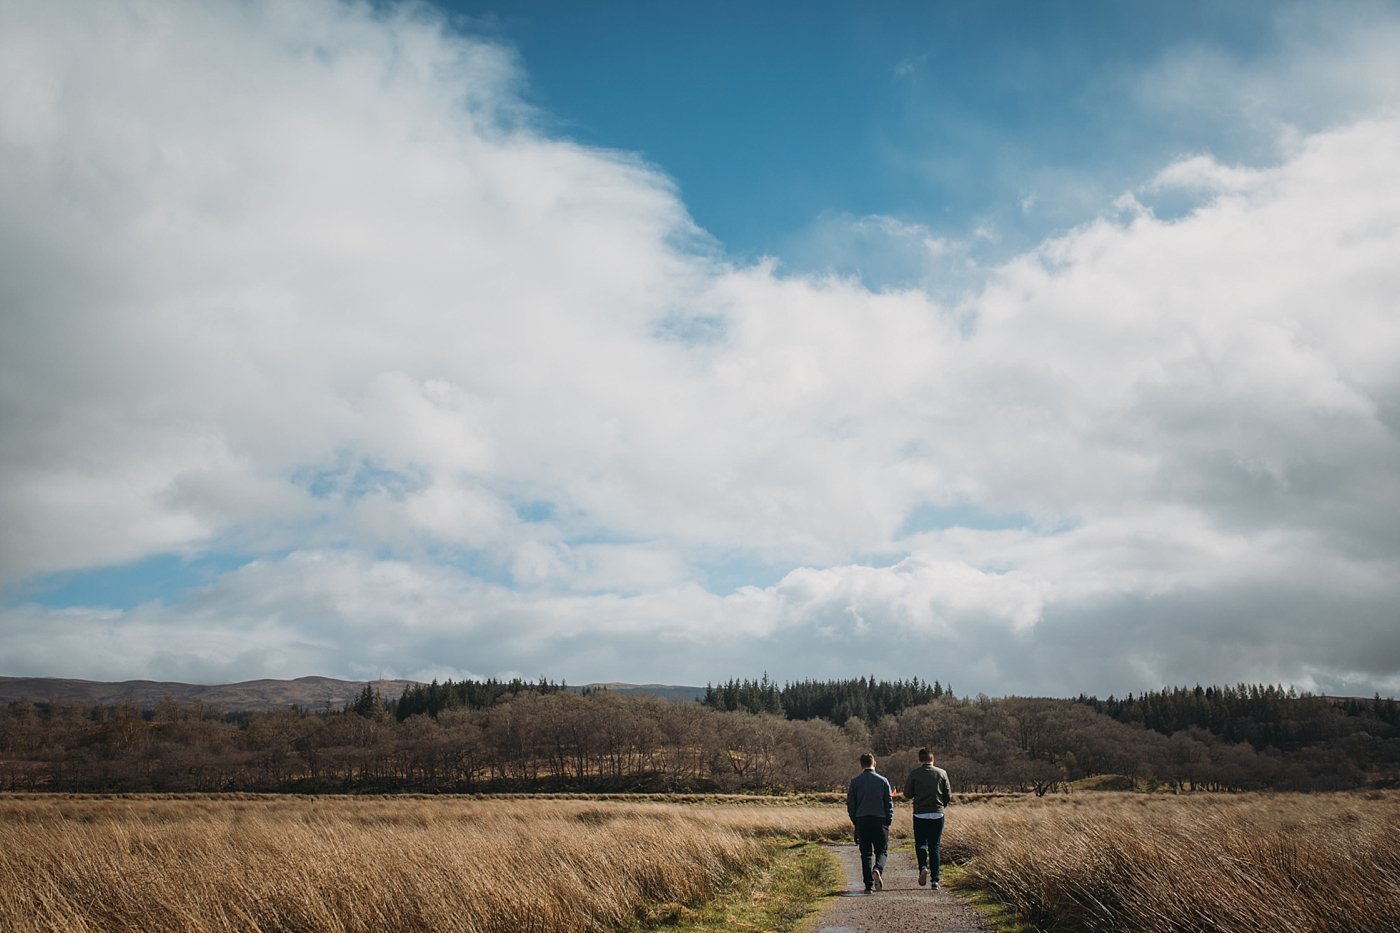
879,882
923,877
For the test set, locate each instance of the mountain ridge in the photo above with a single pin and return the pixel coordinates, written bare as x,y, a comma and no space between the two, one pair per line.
311,691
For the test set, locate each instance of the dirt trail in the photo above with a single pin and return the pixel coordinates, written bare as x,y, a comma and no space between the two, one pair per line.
902,907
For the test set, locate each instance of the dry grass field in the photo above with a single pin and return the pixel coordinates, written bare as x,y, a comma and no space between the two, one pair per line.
1097,862
338,865
1089,863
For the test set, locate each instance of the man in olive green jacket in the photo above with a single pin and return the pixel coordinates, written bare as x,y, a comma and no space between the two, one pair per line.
928,788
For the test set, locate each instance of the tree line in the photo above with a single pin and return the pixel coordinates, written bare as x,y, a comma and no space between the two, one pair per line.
435,697
862,698
1263,715
541,736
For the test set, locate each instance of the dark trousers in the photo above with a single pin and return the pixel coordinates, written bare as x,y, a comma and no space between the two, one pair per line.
873,836
927,836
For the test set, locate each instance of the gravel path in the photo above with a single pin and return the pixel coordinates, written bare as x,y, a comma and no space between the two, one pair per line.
902,907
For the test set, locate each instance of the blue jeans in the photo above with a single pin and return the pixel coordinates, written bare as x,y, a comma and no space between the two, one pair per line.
927,836
873,836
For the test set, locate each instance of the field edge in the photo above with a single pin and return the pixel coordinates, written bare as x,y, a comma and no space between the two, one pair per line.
790,885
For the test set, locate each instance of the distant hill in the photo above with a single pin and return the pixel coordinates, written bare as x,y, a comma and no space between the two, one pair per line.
312,692
669,691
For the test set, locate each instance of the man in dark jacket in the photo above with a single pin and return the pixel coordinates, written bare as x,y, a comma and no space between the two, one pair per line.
928,788
870,805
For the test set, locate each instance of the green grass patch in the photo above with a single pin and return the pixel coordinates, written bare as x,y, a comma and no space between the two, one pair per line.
789,885
1119,782
998,916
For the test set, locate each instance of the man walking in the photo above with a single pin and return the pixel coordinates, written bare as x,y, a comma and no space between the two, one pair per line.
928,788
870,806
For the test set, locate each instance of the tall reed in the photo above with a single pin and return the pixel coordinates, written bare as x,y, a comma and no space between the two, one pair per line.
1286,863
342,865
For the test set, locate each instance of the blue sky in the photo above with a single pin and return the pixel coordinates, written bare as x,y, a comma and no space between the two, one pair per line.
1042,348
947,115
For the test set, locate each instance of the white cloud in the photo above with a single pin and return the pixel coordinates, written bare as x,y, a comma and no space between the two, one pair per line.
1322,66
302,280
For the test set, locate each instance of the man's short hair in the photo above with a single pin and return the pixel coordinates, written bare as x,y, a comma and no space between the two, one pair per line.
866,759
925,755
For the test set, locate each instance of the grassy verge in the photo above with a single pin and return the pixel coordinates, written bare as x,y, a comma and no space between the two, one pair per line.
788,885
999,917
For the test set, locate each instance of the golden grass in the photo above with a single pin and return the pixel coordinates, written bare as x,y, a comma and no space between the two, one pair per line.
997,916
1285,863
786,890
340,865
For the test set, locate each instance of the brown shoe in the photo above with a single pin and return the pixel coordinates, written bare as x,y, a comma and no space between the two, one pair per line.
879,882
923,877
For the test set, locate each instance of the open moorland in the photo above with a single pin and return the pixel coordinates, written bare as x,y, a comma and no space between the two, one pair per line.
344,864
1283,863
1093,861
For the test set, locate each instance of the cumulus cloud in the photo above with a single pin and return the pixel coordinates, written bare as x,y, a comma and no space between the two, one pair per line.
305,282
1320,66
